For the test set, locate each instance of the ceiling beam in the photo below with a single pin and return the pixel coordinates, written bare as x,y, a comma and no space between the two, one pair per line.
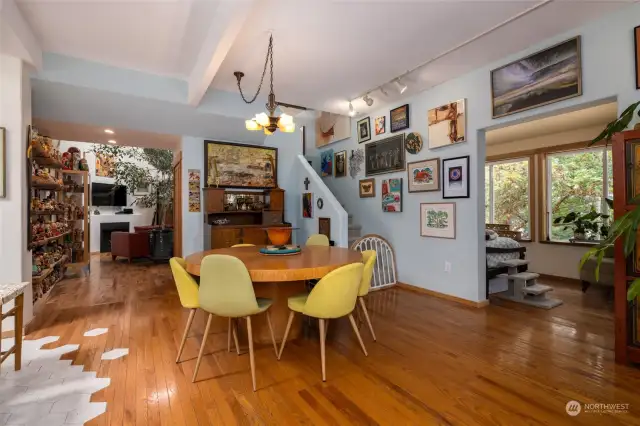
223,30
16,37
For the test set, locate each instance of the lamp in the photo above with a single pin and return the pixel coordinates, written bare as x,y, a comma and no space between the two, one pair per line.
401,87
268,123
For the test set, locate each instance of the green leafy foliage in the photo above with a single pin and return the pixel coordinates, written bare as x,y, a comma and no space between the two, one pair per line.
592,224
143,168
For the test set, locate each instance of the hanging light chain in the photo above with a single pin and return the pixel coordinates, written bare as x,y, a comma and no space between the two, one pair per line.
267,59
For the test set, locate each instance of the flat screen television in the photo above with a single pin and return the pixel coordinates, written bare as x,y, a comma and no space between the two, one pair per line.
106,194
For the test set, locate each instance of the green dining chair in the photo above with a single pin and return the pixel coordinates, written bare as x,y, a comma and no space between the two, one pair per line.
226,290
317,240
333,297
369,259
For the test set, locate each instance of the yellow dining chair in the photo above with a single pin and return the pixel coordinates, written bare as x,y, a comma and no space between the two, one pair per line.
188,293
317,240
243,245
333,297
369,259
226,290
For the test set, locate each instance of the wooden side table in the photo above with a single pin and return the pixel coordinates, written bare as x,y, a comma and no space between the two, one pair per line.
9,292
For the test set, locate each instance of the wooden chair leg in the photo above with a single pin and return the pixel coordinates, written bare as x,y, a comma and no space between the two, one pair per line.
235,335
19,303
273,337
322,358
355,329
229,336
204,342
366,316
326,328
286,333
251,359
192,314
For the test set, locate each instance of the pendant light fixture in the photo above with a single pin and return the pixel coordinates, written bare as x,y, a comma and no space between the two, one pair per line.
269,123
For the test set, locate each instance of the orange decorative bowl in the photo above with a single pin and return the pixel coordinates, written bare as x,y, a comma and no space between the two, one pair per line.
279,236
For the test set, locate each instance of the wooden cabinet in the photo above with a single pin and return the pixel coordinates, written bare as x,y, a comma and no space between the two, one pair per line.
225,237
276,199
257,236
270,217
213,200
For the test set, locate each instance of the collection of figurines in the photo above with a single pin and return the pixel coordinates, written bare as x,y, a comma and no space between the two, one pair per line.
47,283
71,160
69,210
44,257
42,229
42,176
234,202
44,146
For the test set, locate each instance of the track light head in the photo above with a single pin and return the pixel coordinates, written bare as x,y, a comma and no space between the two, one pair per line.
352,111
367,100
401,86
383,91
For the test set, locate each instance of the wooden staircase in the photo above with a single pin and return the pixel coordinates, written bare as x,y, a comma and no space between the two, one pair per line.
523,287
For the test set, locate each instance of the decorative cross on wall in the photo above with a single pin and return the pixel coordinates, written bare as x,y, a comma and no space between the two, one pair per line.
306,183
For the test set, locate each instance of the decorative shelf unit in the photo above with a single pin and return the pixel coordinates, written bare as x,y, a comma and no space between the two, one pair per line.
74,181
239,217
626,186
54,232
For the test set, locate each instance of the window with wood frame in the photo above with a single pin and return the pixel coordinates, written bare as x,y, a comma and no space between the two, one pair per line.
576,181
508,194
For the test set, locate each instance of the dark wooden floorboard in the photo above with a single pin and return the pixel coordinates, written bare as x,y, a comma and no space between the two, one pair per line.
435,362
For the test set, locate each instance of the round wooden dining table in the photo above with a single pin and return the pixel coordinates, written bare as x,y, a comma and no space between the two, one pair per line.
279,277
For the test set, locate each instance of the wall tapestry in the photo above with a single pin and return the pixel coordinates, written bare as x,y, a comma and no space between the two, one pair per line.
331,128
355,162
380,125
3,164
455,177
447,124
194,190
233,165
364,130
105,166
392,195
413,143
340,159
367,188
548,76
399,118
385,156
636,43
324,226
438,220
424,175
307,205
326,162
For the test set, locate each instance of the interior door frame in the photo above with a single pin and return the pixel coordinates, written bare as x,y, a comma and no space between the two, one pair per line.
177,204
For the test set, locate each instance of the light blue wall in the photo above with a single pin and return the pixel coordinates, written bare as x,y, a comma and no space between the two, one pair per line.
608,71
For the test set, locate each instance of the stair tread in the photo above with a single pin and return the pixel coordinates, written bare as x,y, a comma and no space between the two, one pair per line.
537,289
514,262
524,276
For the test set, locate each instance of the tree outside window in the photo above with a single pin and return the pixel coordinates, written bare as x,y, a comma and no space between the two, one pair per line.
507,195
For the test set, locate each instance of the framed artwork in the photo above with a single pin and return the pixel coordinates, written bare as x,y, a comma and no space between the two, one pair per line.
413,143
340,159
424,175
324,226
331,128
380,124
385,156
105,166
392,195
447,124
326,162
364,130
3,163
636,44
307,205
367,188
455,177
234,165
399,118
545,77
438,220
356,160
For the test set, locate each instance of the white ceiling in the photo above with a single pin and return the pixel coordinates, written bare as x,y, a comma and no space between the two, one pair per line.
86,133
597,116
326,51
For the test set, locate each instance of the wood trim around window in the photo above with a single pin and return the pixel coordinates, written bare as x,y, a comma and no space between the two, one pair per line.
541,196
575,146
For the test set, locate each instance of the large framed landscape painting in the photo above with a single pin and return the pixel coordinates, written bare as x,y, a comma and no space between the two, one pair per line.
233,165
548,76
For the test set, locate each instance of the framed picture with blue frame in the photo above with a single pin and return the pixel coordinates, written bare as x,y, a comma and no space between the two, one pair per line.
326,163
455,177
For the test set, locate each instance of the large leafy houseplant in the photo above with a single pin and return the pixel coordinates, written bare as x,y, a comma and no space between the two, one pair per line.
587,226
143,167
624,227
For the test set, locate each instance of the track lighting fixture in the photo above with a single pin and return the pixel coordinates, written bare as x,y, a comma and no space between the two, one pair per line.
401,87
352,111
383,91
367,100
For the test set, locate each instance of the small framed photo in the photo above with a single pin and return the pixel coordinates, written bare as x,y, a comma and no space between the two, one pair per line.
438,220
380,123
324,226
364,130
455,177
399,118
340,161
424,175
307,205
367,188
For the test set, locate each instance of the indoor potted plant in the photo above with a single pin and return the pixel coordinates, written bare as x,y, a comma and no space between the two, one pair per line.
586,227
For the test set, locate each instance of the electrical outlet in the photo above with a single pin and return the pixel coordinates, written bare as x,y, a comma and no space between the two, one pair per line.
447,266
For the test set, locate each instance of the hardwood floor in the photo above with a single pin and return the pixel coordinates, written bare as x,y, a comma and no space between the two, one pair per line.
435,361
